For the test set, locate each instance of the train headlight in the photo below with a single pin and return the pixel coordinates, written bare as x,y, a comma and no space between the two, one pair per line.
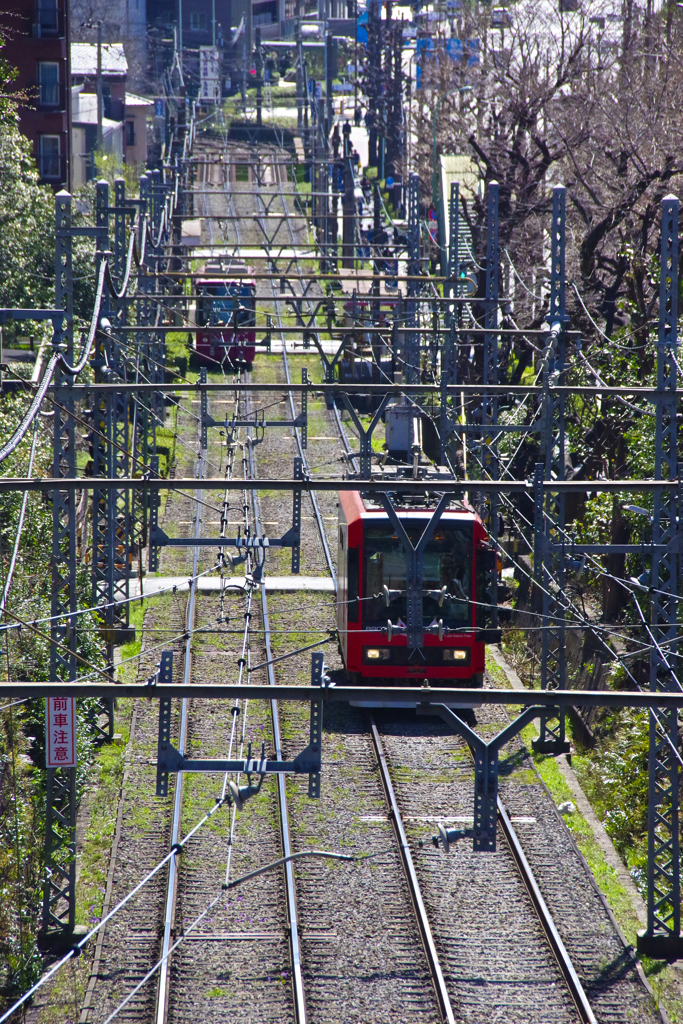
376,654
459,655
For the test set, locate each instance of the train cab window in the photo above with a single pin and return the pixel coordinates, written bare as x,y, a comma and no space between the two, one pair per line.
203,308
233,306
246,314
224,310
447,562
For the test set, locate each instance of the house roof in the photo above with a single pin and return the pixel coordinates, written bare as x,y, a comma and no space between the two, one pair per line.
84,59
137,101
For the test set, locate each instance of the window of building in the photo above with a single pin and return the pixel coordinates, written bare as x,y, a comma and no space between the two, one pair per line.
50,156
197,21
47,19
48,82
130,133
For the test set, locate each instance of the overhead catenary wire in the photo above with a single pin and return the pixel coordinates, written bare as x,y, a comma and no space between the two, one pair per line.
112,913
188,929
58,358
249,594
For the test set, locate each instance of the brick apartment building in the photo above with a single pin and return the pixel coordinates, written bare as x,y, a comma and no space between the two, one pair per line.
39,47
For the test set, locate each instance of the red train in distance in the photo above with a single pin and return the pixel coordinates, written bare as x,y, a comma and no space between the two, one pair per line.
371,558
231,303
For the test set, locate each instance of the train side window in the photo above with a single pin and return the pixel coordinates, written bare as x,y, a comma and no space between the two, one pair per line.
353,581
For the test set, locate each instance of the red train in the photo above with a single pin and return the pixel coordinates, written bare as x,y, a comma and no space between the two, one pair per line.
233,304
371,558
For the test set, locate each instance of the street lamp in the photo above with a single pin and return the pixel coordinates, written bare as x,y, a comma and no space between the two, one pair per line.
447,95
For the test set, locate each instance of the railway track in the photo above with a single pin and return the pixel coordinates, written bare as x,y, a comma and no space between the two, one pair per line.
539,943
416,934
338,954
252,927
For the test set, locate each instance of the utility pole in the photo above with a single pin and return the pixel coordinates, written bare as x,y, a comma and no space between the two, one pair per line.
374,75
300,98
59,894
549,510
329,75
259,76
662,937
98,80
100,98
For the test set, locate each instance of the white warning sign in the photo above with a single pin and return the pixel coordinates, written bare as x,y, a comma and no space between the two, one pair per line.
209,74
60,732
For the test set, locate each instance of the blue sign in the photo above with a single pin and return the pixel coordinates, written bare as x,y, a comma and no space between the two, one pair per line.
455,49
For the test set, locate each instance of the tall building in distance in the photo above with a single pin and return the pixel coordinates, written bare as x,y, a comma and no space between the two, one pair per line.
39,48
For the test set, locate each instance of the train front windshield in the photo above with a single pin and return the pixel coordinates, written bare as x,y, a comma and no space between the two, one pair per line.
447,562
231,306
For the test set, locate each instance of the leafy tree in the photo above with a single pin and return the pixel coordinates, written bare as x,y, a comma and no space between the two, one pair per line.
26,225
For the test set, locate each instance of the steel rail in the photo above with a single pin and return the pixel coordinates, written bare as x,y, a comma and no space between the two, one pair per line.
290,890
172,888
171,891
292,407
436,972
545,917
438,980
406,857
